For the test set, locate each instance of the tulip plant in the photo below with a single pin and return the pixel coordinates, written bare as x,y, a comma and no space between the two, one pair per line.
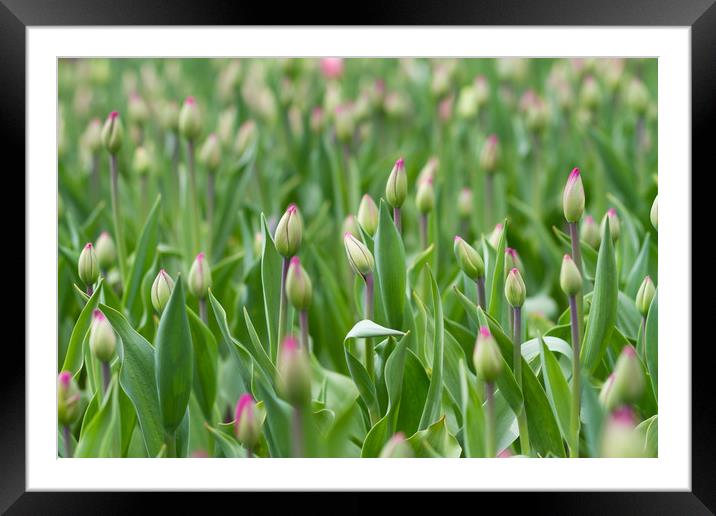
357,258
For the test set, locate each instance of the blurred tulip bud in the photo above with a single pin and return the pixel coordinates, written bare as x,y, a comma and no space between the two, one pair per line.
332,67
102,340
396,105
614,224
490,154
468,259
467,102
245,137
88,266
289,231
590,95
644,296
570,280
482,90
512,260
200,277
620,438
487,359
93,135
142,161
350,225
298,285
494,238
247,425
515,289
105,251
654,214
397,448
113,133
429,171
295,122
573,197
629,381
425,197
137,109
464,203
345,122
605,394
189,119
445,108
169,116
637,96
317,119
396,190
225,126
441,80
258,243
68,399
210,153
294,371
590,232
367,215
161,290
359,257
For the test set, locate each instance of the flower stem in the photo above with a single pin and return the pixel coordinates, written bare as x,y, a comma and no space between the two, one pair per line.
202,310
643,338
282,309
396,219
303,321
489,198
95,176
194,198
114,187
481,298
423,231
576,380
517,366
577,258
90,290
67,438
210,181
106,376
369,346
297,432
491,428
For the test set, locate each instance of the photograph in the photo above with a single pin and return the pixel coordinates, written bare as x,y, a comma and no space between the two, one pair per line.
357,257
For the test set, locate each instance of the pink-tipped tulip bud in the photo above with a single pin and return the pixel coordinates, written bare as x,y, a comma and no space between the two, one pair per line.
396,190
350,225
105,250
425,197
504,454
620,439
137,109
512,260
210,153
68,399
189,119
294,370
359,256
490,154
515,289
88,265
494,238
161,290
573,197
247,424
570,280
654,214
629,381
645,295
298,285
368,215
468,259
606,398
397,447
102,340
289,231
464,203
486,357
590,232
113,133
200,277
332,67
612,219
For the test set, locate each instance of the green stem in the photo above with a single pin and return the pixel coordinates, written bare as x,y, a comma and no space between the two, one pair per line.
576,381
369,346
202,310
303,322
194,198
517,366
171,444
481,297
282,309
106,376
491,428
297,432
114,188
489,199
423,231
643,338
67,438
396,219
577,259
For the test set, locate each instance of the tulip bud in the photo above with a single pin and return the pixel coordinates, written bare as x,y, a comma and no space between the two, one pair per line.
487,359
105,250
515,290
88,266
397,448
637,96
199,277
620,438
298,285
614,225
570,280
317,119
350,225
161,290
482,90
359,257
606,397
189,119
102,340
210,153
289,230
467,102
629,378
169,115
468,259
93,135
368,215
345,122
68,399
494,238
425,198
245,137
247,425
512,260
142,162
654,215
590,232
590,94
137,110
644,296
464,203
573,197
332,67
294,370
490,154
258,243
397,188
113,133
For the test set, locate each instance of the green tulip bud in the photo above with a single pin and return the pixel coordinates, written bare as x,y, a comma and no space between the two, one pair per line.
105,250
359,257
573,197
367,215
142,162
494,238
515,290
487,358
425,198
258,243
210,153
137,110
620,438
88,266
68,399
93,135
467,102
345,122
644,296
289,230
113,133
294,373
245,136
247,423
490,154
654,214
169,116
396,190
397,448
614,225
590,232
468,259
161,290
512,260
298,285
606,394
629,381
590,94
102,340
570,280
464,203
350,225
189,119
637,96
200,277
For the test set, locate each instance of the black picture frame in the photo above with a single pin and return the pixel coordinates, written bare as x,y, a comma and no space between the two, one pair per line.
700,15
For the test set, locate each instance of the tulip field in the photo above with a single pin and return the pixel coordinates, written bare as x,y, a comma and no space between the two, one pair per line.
389,258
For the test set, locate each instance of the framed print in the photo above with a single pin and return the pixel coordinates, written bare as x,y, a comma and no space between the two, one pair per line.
279,263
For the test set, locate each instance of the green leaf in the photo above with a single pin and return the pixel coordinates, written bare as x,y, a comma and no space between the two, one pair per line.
271,266
432,404
174,360
652,342
367,329
639,270
435,441
592,415
473,432
543,427
258,352
390,267
206,367
497,289
603,311
73,357
557,389
102,437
